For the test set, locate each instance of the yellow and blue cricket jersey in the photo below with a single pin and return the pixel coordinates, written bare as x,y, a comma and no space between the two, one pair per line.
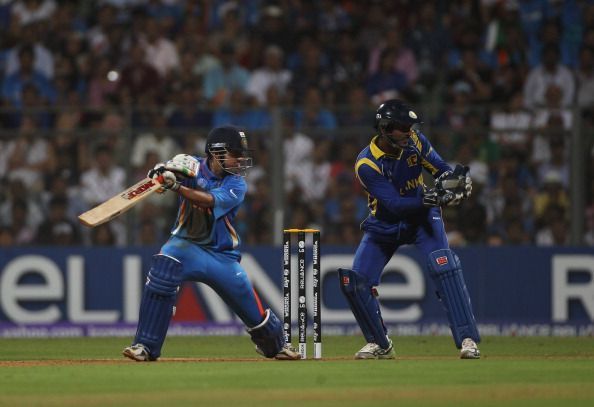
394,183
211,228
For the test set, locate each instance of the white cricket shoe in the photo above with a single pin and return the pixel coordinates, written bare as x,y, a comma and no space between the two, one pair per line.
374,351
138,352
469,350
286,353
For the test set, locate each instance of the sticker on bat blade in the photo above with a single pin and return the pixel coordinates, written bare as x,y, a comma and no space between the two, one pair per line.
136,192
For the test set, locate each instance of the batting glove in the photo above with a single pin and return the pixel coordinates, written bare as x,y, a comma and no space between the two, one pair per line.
169,181
183,164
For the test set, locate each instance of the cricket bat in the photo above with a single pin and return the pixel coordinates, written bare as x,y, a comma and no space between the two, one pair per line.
120,203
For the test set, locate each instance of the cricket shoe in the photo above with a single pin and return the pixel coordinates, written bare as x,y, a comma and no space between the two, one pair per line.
286,353
139,353
374,351
469,350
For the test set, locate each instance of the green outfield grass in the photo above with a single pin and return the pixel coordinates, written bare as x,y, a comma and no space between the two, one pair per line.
226,371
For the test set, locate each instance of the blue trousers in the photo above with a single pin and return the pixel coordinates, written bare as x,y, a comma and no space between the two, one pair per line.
427,233
223,274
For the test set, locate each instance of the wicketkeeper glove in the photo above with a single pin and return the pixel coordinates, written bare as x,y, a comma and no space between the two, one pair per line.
436,197
457,182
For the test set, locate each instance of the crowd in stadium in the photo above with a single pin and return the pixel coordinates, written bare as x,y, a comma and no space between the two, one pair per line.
497,83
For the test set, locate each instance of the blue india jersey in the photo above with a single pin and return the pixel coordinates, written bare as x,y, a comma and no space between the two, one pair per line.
211,228
394,183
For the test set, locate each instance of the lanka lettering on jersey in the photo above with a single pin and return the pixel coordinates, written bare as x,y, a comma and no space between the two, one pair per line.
394,184
211,228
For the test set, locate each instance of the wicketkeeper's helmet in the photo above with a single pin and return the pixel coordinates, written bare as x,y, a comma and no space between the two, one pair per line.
229,139
395,114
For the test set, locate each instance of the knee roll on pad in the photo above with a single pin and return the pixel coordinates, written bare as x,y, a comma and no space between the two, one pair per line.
268,335
446,272
158,301
364,305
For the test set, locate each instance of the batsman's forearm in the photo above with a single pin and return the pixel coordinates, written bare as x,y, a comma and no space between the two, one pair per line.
197,197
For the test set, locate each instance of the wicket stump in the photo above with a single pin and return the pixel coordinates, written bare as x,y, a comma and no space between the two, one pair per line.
302,294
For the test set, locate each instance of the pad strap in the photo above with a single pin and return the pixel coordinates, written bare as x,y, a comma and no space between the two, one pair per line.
446,272
365,307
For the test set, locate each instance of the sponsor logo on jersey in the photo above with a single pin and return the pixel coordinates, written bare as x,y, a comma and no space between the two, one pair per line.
412,160
138,190
442,260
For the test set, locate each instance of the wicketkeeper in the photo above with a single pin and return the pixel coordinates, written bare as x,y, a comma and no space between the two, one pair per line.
403,211
204,247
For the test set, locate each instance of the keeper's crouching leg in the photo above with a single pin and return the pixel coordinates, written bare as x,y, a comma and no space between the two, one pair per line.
268,335
365,307
446,272
158,301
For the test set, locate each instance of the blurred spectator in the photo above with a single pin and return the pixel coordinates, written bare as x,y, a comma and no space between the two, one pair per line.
554,231
272,28
510,127
347,64
310,70
313,175
358,110
155,140
429,40
23,231
103,83
404,61
387,82
104,179
240,113
97,35
222,79
270,74
31,37
103,235
341,206
59,188
557,165
19,198
476,74
205,60
550,193
30,11
138,76
549,73
231,31
314,114
57,229
29,156
13,84
160,52
71,149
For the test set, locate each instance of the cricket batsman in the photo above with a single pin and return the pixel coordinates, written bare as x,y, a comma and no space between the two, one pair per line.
403,211
203,247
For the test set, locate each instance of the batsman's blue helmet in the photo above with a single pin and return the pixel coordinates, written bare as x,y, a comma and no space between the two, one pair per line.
230,139
395,114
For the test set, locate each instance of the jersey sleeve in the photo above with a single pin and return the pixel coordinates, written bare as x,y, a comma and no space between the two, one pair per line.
382,189
430,159
229,195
